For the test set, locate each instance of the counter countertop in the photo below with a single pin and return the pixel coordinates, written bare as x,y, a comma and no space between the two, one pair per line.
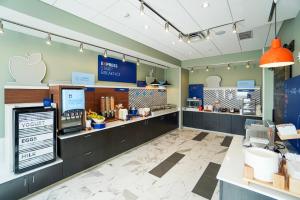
223,113
119,123
232,168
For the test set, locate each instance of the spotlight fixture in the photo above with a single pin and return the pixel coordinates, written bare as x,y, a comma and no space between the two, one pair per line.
248,65
189,39
124,59
207,35
228,67
167,27
105,53
142,8
205,5
234,28
180,37
81,47
1,27
192,70
49,40
207,68
137,61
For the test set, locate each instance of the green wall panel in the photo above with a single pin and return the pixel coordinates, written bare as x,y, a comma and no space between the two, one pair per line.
61,61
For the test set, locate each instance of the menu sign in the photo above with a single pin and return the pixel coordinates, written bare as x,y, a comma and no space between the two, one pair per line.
115,70
35,141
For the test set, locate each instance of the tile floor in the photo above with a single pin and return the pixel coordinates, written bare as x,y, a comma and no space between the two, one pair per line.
127,177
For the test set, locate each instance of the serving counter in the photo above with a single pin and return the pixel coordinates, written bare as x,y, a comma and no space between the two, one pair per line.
233,123
232,185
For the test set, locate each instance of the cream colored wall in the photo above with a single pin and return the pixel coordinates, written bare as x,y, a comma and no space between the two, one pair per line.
184,86
173,91
61,61
290,30
229,77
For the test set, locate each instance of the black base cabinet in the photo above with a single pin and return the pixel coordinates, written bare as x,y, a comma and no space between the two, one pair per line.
228,123
14,189
98,146
23,186
84,151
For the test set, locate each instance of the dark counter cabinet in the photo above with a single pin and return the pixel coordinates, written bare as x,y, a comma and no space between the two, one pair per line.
27,184
221,122
84,151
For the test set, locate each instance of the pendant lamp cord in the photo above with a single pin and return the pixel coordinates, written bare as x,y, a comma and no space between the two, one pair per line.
275,20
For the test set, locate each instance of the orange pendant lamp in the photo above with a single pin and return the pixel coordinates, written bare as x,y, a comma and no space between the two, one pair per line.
276,56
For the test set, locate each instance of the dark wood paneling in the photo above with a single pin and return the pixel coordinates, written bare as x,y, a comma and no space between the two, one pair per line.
25,95
93,98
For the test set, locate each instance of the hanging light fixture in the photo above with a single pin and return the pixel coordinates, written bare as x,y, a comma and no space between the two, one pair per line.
124,59
1,27
228,67
180,36
142,8
167,27
155,82
49,40
81,47
234,28
248,65
207,35
192,70
166,83
137,61
207,68
105,53
276,56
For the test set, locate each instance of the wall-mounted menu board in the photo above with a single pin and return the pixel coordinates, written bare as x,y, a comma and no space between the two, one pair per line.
35,137
115,70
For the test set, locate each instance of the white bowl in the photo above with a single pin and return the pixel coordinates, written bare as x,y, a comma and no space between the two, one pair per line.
264,162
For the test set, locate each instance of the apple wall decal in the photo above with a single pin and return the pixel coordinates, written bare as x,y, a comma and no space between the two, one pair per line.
29,69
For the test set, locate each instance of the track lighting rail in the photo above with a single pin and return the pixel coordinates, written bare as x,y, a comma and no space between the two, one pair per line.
81,43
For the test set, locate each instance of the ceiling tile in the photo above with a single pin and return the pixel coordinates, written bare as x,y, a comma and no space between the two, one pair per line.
76,8
216,14
228,42
188,16
98,5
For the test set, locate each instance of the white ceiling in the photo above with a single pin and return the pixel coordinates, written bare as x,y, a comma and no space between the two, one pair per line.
188,16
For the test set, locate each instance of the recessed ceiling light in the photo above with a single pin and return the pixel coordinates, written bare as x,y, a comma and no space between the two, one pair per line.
146,26
205,5
173,43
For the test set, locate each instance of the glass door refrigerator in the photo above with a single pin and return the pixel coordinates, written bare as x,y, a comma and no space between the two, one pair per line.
34,137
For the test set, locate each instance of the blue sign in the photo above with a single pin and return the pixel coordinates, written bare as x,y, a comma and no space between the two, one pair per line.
292,107
115,70
196,90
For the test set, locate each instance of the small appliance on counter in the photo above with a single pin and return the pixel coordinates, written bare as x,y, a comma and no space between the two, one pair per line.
193,102
248,106
107,107
144,112
123,113
259,133
71,107
208,108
